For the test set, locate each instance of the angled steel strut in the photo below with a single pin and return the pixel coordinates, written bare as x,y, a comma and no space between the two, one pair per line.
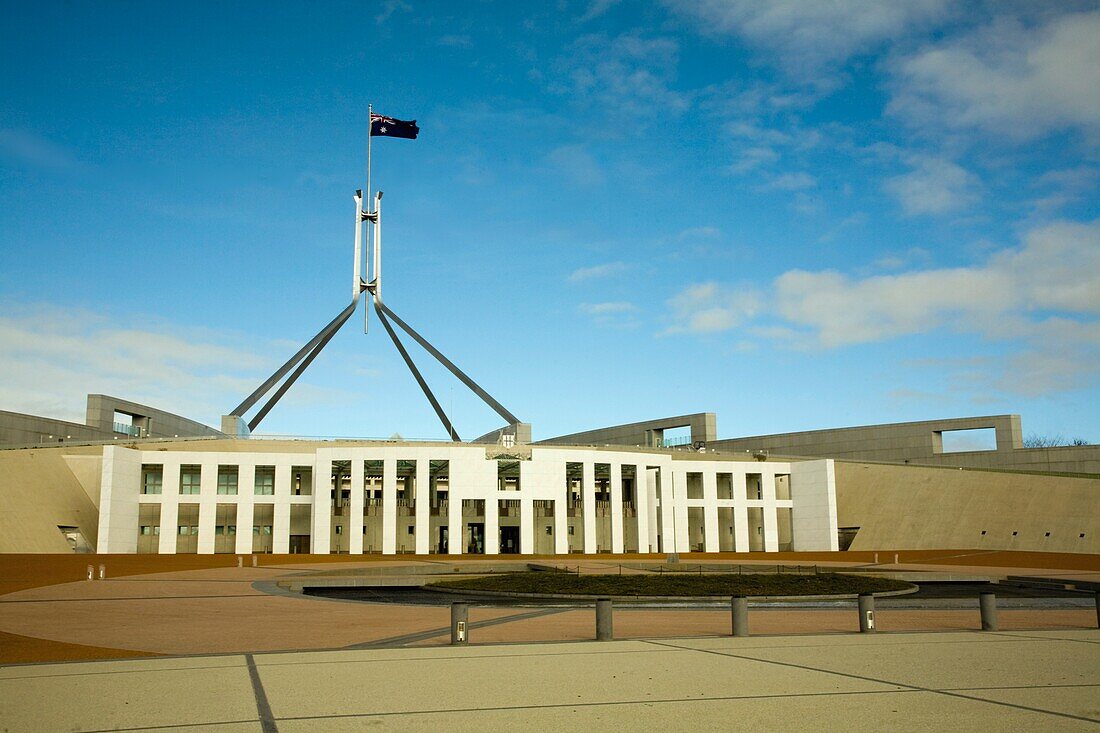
416,373
474,386
307,352
305,356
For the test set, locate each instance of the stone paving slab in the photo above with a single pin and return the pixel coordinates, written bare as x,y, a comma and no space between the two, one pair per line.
883,682
132,694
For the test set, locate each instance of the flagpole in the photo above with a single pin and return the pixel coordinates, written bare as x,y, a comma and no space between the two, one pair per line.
370,197
370,194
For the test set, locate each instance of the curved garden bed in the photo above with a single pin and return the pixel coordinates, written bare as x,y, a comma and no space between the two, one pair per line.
675,585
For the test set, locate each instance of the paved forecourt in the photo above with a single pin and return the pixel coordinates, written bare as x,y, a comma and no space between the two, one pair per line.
1038,680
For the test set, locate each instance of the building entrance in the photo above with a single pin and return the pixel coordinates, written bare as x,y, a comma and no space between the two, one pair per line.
477,538
443,540
509,540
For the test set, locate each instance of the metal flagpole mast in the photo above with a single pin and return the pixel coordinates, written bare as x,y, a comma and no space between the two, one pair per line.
370,196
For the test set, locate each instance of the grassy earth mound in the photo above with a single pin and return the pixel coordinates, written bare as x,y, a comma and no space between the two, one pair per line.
676,584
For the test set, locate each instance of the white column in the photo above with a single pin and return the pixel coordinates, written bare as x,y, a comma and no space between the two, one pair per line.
355,508
455,544
740,512
423,505
710,509
617,508
771,527
588,496
668,509
207,523
280,519
526,525
169,508
389,506
322,506
653,475
641,507
561,520
492,519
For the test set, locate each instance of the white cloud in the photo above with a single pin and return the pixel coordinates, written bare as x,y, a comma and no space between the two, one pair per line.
576,164
30,148
597,8
809,39
1064,187
710,308
607,269
607,308
841,311
455,41
1057,270
1041,298
795,181
389,7
628,77
1006,78
934,186
752,158
52,358
699,233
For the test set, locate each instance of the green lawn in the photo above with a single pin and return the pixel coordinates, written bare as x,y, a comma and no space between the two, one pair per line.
677,584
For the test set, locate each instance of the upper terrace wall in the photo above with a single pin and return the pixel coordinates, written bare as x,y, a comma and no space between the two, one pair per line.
647,434
921,443
27,430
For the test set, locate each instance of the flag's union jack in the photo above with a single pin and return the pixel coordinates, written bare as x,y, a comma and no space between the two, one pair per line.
382,126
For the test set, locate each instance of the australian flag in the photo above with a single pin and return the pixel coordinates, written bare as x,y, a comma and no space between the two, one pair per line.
382,126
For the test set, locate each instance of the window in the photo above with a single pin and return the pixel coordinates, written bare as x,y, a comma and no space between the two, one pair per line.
265,480
152,478
190,478
227,480
301,480
146,529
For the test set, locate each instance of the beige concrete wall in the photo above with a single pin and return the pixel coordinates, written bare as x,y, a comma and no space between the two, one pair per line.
912,507
38,492
644,434
19,429
920,443
100,413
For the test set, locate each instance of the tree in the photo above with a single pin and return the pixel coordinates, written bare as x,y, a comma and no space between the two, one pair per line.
1051,441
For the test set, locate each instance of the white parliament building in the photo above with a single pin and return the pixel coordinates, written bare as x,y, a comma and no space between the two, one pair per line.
391,497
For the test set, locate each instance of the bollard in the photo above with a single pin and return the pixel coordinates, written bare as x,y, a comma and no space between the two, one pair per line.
739,609
987,602
895,558
240,561
91,573
604,630
866,614
254,561
460,617
102,572
876,558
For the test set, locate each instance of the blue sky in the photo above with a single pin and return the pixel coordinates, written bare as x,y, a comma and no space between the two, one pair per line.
797,215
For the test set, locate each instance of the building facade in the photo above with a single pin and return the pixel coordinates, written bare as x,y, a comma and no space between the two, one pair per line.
453,498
